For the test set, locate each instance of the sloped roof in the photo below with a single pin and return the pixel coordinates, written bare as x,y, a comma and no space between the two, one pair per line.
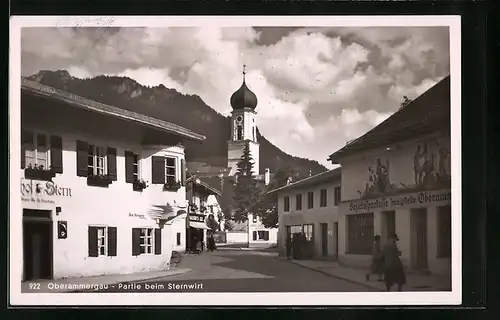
429,113
71,99
327,176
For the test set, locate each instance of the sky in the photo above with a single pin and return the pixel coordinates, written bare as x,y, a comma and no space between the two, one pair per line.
317,88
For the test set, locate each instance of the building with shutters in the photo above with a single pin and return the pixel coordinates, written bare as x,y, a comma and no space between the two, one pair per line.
100,186
396,178
310,206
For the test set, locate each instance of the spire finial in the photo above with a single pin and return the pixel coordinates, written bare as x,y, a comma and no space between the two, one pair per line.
244,71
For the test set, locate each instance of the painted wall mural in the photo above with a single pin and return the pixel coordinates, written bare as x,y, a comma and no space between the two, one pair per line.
431,170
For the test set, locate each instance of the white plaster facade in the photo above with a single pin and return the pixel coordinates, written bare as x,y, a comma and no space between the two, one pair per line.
83,206
412,212
316,216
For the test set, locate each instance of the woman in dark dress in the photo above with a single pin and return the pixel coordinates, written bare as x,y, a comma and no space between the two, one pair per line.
377,263
394,272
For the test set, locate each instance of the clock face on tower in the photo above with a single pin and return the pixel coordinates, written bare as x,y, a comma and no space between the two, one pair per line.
239,119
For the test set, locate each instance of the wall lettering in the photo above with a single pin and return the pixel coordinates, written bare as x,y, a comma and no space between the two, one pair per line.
399,201
137,215
36,191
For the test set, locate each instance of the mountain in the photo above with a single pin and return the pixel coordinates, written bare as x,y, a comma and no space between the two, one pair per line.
185,110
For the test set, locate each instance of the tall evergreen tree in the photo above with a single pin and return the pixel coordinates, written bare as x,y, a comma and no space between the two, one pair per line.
267,204
246,190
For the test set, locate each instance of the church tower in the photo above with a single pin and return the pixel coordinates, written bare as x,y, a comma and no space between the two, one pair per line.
243,128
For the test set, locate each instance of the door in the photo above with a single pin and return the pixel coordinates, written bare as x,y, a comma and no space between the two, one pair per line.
37,249
324,239
390,224
288,241
420,225
336,238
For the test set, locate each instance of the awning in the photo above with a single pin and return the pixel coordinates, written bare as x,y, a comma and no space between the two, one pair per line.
198,225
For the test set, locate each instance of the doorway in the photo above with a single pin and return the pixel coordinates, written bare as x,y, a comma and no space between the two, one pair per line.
418,221
37,245
336,239
324,239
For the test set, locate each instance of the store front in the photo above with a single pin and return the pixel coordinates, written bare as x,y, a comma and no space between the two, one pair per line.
196,231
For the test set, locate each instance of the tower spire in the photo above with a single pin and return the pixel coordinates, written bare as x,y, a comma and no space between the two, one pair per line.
244,71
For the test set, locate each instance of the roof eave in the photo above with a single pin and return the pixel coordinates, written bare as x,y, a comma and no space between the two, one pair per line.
86,104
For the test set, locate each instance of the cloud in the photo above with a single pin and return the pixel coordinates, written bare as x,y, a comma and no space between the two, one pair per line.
317,87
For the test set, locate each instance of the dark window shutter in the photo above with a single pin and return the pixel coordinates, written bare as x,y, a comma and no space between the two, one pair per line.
158,170
178,238
56,160
266,235
93,242
112,241
23,156
183,171
255,235
157,241
136,241
82,153
129,167
111,152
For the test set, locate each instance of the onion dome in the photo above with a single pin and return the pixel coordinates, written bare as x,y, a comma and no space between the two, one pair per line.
243,98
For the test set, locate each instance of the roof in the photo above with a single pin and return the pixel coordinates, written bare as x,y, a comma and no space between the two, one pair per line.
243,98
429,113
211,184
327,176
90,105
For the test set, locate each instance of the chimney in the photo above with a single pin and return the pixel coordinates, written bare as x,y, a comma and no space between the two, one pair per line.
267,176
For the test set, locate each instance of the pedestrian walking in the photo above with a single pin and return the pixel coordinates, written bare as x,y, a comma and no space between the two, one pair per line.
377,262
394,273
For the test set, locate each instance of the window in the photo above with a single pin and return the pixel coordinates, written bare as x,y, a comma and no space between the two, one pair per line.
254,219
36,149
336,200
308,231
178,238
295,229
298,202
310,200
102,241
170,170
360,233
261,235
444,232
286,203
146,240
323,198
96,160
135,163
239,132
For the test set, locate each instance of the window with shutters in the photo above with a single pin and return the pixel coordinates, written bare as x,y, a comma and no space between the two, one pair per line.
286,204
310,200
146,241
323,198
336,196
263,235
170,170
96,160
36,149
102,241
298,202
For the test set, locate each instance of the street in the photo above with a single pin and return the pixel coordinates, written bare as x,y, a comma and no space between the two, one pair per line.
241,271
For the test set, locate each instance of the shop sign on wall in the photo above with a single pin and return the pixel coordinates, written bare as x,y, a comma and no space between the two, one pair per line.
197,218
137,215
403,201
42,192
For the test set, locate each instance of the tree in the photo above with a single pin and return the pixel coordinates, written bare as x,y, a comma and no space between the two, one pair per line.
267,205
212,223
245,192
